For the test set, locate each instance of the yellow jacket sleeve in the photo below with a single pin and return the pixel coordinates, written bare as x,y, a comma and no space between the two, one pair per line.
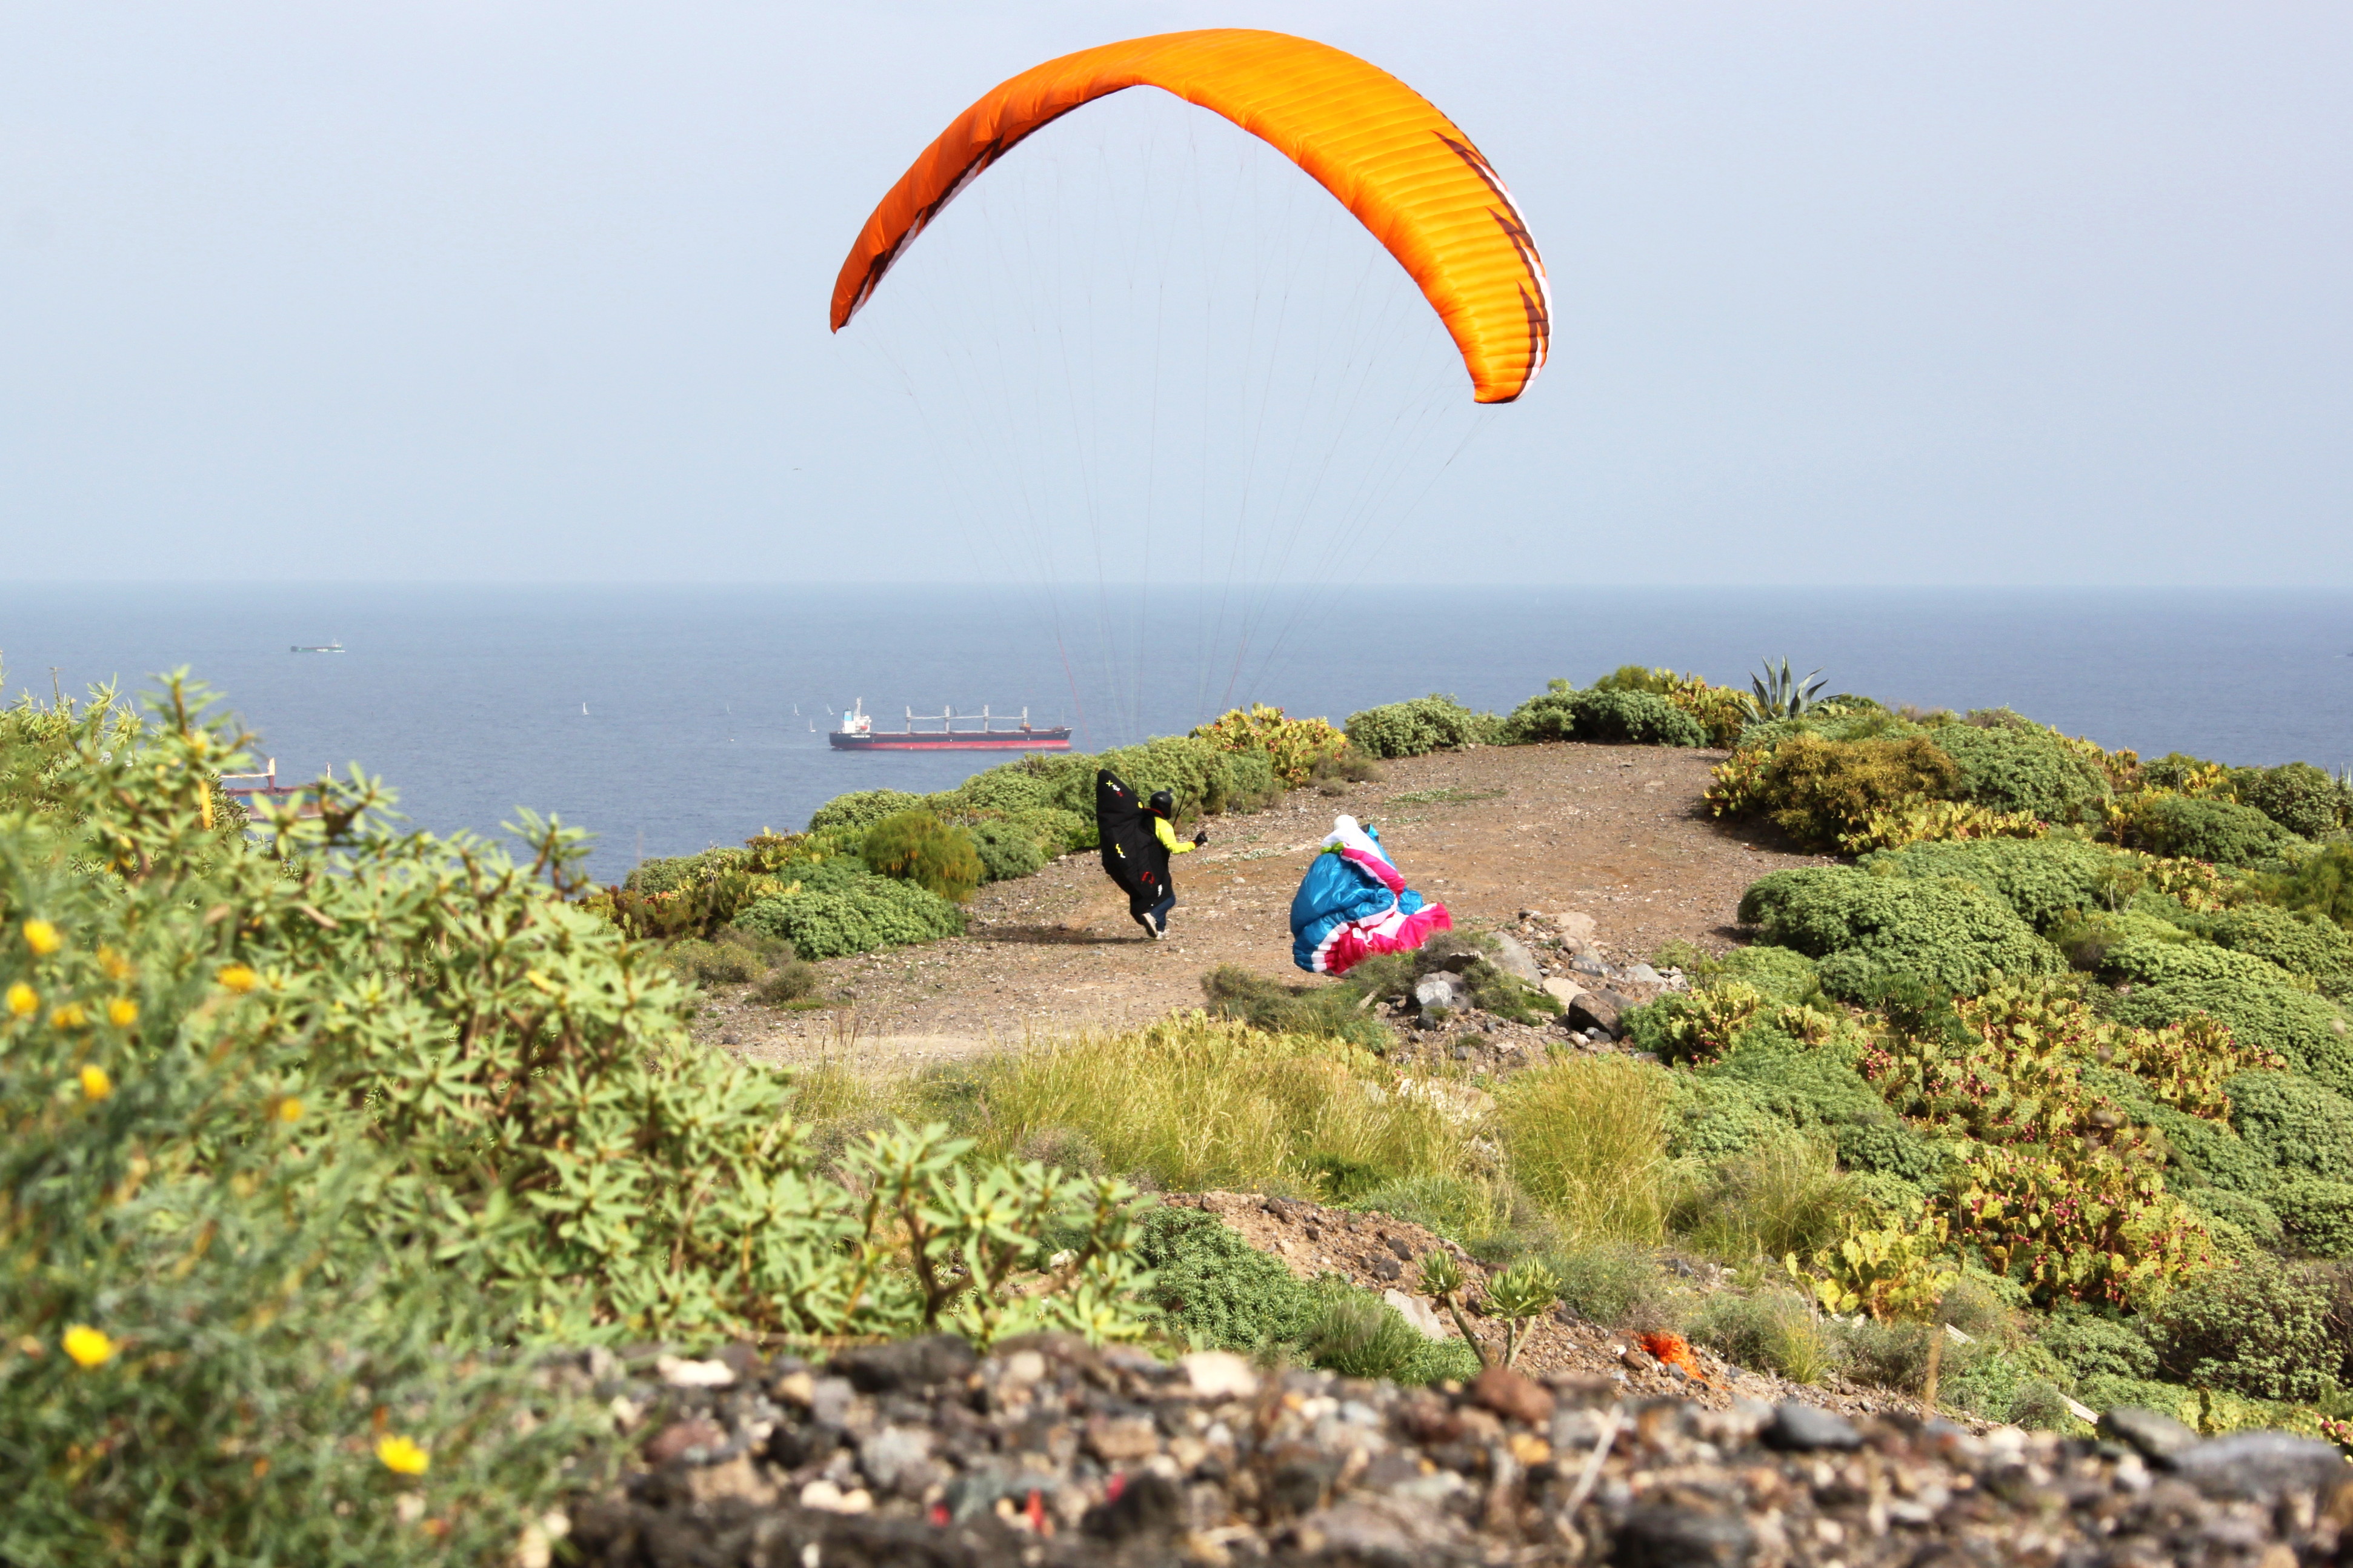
1167,837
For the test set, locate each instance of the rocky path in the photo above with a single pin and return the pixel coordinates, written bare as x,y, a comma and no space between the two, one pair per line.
1615,831
920,1455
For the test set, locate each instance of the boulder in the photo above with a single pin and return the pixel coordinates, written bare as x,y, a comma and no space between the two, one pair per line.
1513,957
1512,1396
1575,925
909,1363
1563,991
2153,1436
1443,989
1597,1010
2260,1465
1803,1428
1670,1535
1419,1312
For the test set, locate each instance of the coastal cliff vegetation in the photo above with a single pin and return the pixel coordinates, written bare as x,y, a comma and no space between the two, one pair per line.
331,1146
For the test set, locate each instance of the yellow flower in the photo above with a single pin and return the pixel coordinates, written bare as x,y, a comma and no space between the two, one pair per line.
402,1457
115,963
21,1000
69,1017
289,1110
95,1084
237,978
87,1346
122,1012
42,937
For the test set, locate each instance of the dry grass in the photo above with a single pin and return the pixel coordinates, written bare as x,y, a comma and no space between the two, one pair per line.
1588,1139
1195,1102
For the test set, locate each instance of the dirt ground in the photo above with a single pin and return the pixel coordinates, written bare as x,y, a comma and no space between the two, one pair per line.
1617,832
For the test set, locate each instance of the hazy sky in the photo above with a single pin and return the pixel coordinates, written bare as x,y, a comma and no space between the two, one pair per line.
1846,292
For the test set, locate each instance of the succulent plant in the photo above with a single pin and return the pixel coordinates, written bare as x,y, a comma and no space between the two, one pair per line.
1780,694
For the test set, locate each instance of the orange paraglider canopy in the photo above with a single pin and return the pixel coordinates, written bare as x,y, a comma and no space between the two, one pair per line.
1406,172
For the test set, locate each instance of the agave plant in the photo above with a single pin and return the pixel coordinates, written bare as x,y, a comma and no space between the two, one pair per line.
1782,695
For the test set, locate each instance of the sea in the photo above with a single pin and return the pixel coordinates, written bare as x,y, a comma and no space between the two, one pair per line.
667,719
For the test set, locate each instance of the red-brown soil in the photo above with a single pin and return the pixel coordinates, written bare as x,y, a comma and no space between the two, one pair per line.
1617,832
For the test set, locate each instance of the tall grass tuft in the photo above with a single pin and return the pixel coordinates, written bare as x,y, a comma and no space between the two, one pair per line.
1588,1139
1786,1195
1195,1102
1775,1330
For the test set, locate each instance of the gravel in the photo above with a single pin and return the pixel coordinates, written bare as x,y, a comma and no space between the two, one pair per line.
1049,1453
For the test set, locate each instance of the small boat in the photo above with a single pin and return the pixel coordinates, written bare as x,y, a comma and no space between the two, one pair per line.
857,733
335,647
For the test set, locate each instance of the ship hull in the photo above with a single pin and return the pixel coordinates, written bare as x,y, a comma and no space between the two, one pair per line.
970,741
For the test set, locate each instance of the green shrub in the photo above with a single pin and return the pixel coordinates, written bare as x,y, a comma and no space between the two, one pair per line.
1781,1196
2092,1342
1273,1006
1632,678
2317,1215
1218,1291
2221,831
251,1102
206,1208
2020,1384
2089,941
1775,1331
869,914
2041,879
1634,718
2293,1122
1716,1117
2259,1329
861,809
1885,1353
1295,748
2023,768
1948,932
2308,944
1205,778
1007,852
1222,1293
1344,767
1804,1085
667,876
713,963
1617,1284
2262,1005
1357,1334
1782,973
1465,954
2253,1218
2178,770
1432,723
1870,722
916,847
2305,800
1816,790
791,980
1549,715
2321,883
2171,961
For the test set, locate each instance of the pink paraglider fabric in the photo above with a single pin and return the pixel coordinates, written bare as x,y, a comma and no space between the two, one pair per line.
1353,903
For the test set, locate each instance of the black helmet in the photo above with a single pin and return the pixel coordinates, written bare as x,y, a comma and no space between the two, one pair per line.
1163,803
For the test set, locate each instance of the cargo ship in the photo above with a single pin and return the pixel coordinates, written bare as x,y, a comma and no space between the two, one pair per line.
857,733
